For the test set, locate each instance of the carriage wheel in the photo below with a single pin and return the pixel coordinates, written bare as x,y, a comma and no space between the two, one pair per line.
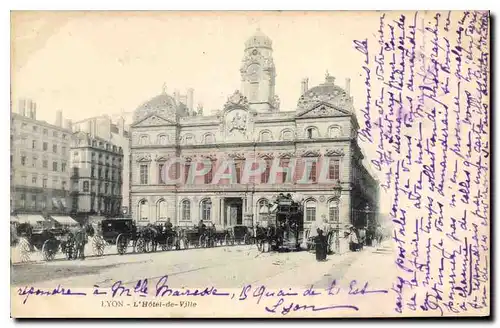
169,243
98,245
140,246
202,242
121,244
148,246
24,250
49,250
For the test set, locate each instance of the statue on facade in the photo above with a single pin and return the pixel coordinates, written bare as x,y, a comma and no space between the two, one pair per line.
238,123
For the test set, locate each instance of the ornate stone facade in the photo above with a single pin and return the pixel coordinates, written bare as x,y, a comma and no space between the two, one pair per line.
322,126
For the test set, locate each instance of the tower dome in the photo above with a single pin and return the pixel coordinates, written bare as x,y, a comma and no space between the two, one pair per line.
258,40
163,105
327,92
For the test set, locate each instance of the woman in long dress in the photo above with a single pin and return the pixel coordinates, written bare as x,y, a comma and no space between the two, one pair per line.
321,245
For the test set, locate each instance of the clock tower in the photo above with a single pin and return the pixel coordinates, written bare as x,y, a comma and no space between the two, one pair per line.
258,73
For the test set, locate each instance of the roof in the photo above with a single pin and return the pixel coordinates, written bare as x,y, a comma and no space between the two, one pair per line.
162,104
258,40
326,92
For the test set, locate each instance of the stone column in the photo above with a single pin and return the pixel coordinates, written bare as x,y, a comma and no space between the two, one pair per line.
344,219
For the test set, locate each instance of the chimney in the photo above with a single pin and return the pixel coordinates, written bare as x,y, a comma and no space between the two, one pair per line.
348,86
177,96
89,127
69,125
33,110
121,126
190,98
22,107
305,85
59,118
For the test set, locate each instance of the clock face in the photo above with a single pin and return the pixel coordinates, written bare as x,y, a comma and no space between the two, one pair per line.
255,52
253,72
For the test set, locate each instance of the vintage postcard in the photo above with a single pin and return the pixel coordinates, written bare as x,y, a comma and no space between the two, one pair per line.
250,164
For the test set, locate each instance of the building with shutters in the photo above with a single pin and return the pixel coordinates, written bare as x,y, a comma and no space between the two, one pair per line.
39,158
250,126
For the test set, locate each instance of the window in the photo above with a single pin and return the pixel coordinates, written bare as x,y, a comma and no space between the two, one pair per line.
64,136
265,136
33,144
35,128
335,132
33,179
106,187
45,146
34,160
54,166
106,174
262,210
209,138
75,154
187,166
287,135
238,171
143,210
92,172
144,174
55,134
310,211
189,139
161,210
144,140
85,186
206,209
24,125
63,185
54,149
162,140
63,167
186,210
45,132
33,201
44,183
45,163
63,150
333,211
285,162
209,175
334,170
265,175
313,174
25,180
23,198
309,133
161,180
23,160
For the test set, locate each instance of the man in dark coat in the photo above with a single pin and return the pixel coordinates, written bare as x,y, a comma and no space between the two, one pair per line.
321,245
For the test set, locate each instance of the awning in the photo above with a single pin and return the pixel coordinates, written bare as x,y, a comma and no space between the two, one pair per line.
30,218
64,220
14,218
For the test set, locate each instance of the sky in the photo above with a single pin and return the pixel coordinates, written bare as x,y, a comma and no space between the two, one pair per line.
86,64
93,63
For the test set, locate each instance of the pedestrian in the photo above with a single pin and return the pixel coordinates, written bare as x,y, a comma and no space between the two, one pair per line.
320,243
353,240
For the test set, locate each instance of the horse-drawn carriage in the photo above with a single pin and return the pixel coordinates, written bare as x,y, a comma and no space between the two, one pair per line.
49,238
285,229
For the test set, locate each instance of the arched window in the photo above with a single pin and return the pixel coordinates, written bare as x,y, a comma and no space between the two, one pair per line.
162,139
206,209
186,210
287,135
311,132
265,136
335,131
143,210
310,213
262,210
333,211
189,139
161,210
144,140
209,138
